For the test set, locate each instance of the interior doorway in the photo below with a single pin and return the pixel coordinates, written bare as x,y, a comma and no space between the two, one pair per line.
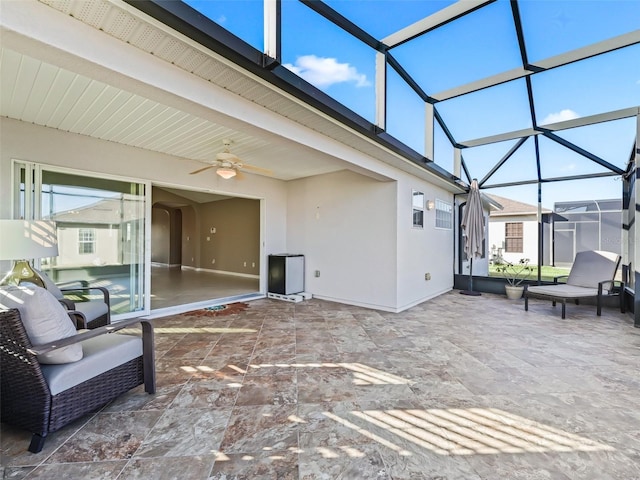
205,248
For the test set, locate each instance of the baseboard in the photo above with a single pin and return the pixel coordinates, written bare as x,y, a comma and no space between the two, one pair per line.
422,300
371,306
221,272
384,308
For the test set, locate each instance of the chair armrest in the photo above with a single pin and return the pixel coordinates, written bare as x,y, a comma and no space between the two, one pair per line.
555,279
111,328
70,284
620,285
78,318
81,292
68,304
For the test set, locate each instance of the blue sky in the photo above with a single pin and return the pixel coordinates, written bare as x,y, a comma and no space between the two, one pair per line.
478,45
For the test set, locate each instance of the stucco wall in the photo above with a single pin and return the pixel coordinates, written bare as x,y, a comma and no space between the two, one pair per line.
344,224
358,233
422,250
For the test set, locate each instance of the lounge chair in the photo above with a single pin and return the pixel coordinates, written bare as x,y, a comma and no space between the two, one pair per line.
591,276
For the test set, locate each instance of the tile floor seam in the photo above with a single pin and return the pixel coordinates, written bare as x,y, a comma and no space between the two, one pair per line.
233,407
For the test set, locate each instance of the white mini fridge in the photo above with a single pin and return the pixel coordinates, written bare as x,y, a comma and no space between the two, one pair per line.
286,273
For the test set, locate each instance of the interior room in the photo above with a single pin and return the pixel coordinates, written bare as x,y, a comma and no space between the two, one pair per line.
204,248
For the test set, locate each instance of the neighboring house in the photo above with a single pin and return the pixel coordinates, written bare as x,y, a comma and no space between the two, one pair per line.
513,231
586,225
570,228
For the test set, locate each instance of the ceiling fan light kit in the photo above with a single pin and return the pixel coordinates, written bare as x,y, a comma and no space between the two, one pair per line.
226,172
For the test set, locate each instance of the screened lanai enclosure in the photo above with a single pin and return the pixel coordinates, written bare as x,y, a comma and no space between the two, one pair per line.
538,101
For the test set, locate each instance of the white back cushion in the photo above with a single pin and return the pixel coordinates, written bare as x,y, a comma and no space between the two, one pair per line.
44,319
593,266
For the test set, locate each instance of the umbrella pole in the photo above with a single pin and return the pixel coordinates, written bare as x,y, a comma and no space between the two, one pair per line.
470,291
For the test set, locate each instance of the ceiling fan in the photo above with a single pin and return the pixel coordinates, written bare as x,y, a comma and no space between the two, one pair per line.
228,165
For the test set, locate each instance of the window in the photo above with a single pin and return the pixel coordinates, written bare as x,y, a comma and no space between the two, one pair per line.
513,237
86,240
444,214
418,209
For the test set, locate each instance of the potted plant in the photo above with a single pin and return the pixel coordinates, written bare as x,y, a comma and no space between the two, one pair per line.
515,273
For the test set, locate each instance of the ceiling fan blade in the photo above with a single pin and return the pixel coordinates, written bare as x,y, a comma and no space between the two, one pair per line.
201,169
257,169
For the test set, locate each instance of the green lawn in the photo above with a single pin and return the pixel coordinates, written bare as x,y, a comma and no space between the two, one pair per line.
547,273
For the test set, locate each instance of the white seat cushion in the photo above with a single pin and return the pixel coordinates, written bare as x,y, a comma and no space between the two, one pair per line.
563,291
101,354
93,309
44,319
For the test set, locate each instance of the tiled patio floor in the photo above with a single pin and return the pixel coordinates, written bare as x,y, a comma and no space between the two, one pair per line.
459,387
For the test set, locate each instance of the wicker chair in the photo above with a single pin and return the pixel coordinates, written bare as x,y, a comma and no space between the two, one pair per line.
27,401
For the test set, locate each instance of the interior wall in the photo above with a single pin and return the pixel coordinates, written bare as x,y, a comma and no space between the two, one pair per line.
230,236
185,247
160,238
190,237
344,225
222,235
166,235
175,246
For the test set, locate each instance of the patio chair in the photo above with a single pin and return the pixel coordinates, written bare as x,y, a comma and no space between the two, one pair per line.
45,385
75,296
592,276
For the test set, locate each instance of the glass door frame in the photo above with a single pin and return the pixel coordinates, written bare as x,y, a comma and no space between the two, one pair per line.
33,211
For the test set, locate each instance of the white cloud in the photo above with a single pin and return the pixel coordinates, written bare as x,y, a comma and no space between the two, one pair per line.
560,116
324,72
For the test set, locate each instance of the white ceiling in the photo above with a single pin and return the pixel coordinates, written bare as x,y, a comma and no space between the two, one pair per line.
39,91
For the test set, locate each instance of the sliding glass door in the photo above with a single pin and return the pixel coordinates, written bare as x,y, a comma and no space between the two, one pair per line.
101,230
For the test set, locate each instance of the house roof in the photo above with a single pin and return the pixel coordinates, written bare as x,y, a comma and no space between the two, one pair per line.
106,211
514,207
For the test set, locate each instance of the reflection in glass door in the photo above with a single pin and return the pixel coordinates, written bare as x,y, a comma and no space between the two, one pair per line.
100,226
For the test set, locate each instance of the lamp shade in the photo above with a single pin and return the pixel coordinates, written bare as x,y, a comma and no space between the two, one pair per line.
27,239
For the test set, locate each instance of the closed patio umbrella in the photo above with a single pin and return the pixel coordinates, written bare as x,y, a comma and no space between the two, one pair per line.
473,227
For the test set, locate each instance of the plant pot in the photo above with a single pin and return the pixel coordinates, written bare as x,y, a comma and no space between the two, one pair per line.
514,293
